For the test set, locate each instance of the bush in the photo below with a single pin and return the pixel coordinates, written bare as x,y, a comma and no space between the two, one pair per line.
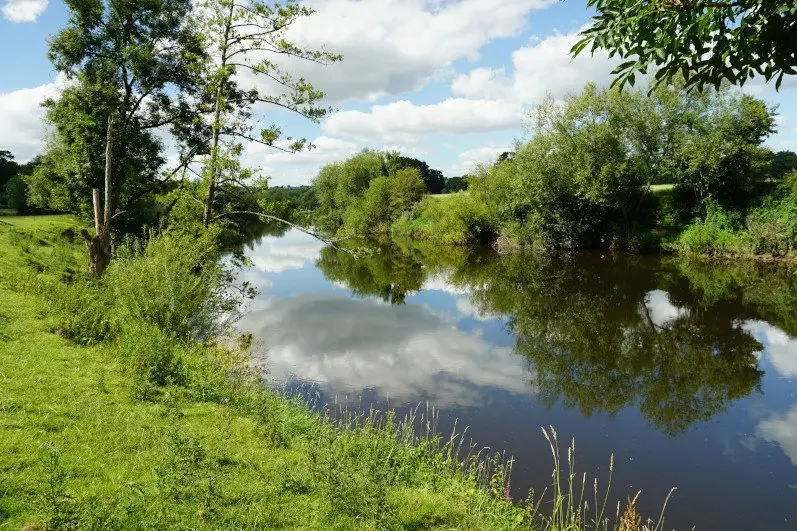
450,220
772,227
718,234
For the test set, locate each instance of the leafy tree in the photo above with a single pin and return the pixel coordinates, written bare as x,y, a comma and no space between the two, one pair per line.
433,179
244,37
406,189
582,179
718,154
8,168
17,194
129,62
455,184
340,184
784,162
705,41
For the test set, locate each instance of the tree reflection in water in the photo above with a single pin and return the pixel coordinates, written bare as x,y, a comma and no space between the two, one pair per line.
603,332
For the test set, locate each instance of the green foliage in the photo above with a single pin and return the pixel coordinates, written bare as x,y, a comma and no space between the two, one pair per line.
372,214
455,184
784,162
17,194
769,229
717,154
342,183
456,219
120,71
706,42
717,234
433,179
581,180
406,189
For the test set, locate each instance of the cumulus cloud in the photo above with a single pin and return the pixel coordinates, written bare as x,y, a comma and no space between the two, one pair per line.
405,352
471,158
395,46
542,67
24,10
22,129
405,121
326,149
781,430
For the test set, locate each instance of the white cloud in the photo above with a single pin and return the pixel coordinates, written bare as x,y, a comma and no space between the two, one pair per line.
483,83
24,10
22,129
779,347
661,311
406,122
471,158
543,67
326,149
466,309
440,281
395,46
781,430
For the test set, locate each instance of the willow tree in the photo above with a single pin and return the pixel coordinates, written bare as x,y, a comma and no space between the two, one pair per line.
128,63
247,39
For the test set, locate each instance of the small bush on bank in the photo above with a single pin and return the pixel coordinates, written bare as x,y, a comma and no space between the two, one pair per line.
456,219
718,234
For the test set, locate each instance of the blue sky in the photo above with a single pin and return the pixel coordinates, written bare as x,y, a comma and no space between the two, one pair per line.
446,81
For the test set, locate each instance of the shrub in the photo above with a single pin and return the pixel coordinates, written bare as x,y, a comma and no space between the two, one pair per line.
451,220
718,234
772,227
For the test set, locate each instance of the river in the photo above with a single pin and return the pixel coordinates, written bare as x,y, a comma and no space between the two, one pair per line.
686,372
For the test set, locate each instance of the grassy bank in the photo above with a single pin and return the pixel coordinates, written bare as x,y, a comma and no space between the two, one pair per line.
132,423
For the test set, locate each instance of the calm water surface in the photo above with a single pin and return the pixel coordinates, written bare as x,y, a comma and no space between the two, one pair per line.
686,372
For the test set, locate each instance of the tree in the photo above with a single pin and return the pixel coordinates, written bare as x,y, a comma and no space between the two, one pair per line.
406,189
718,156
455,184
8,168
707,42
784,162
433,179
245,37
130,63
17,194
339,184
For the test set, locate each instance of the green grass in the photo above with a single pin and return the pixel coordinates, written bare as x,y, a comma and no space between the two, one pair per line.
82,448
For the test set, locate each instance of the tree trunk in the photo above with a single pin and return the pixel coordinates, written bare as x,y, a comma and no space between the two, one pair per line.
99,245
207,215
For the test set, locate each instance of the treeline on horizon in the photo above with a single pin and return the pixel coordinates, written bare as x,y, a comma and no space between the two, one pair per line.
606,168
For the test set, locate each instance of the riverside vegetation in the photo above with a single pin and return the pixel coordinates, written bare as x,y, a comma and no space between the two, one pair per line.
615,169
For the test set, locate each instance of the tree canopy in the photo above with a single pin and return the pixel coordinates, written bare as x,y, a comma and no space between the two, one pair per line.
707,42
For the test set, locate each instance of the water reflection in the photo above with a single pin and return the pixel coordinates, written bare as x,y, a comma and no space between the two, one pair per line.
600,332
688,369
406,353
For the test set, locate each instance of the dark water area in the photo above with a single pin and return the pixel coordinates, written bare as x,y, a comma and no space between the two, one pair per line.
686,372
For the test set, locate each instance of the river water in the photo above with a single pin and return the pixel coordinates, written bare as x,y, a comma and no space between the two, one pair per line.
686,372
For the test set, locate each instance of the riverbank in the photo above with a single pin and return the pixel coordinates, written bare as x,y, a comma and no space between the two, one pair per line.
137,428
